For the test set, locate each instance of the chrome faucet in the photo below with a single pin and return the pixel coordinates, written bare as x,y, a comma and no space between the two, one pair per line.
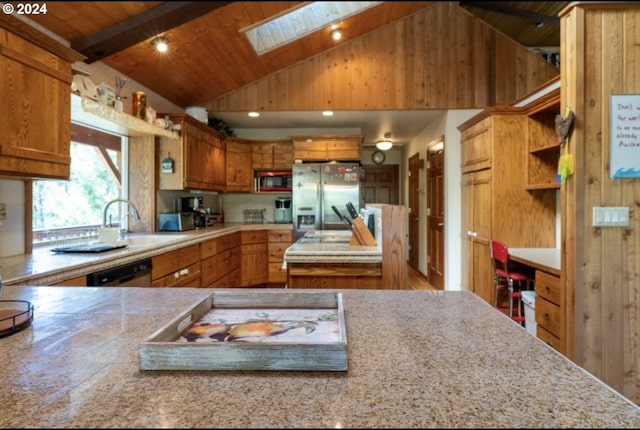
132,210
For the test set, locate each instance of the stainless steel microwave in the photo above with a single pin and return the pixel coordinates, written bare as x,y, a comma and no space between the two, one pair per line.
280,180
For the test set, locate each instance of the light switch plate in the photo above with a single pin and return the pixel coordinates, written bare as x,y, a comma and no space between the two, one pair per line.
610,216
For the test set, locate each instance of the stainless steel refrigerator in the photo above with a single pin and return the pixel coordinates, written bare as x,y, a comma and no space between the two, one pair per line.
317,187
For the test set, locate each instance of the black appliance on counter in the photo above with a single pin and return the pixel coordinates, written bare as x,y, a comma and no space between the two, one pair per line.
190,204
194,205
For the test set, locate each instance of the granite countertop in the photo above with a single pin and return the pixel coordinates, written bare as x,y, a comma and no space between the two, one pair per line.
43,267
330,246
415,359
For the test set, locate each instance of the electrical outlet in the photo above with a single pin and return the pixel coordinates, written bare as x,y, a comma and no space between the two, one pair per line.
3,211
610,217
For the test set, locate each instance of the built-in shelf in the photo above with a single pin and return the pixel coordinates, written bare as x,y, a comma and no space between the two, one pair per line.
120,122
549,148
543,148
547,186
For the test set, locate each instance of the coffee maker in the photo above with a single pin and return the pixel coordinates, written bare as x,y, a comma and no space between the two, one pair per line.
195,206
282,210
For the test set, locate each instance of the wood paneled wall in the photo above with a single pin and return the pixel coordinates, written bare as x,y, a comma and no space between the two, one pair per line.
438,58
600,53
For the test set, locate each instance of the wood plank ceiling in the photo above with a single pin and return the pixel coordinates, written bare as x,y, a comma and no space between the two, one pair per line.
208,55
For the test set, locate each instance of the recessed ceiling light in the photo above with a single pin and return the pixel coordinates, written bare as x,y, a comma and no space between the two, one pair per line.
327,113
254,114
161,43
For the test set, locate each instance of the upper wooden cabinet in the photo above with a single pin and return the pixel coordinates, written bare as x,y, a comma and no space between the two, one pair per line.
199,157
273,154
327,147
35,124
238,160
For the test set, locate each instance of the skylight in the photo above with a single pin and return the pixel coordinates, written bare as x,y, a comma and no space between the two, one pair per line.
300,22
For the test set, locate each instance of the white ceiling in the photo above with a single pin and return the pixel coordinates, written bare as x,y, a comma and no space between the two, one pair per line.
404,126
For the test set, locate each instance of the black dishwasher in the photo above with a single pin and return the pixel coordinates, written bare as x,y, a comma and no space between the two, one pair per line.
135,274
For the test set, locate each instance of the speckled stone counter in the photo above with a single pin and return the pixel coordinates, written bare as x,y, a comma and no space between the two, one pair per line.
415,359
42,267
331,246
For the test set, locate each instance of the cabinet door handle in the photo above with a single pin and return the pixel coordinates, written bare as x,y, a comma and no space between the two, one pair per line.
472,233
545,316
440,224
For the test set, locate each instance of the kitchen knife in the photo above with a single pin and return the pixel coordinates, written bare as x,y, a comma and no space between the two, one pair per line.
342,217
352,210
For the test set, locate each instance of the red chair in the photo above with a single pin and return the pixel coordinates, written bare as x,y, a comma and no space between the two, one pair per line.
508,282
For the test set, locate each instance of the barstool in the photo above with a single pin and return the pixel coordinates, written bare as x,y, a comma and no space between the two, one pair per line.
507,280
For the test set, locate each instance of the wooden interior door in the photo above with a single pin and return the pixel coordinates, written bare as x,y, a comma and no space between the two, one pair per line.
435,214
415,164
381,184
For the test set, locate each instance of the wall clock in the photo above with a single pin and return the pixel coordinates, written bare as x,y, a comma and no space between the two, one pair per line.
378,157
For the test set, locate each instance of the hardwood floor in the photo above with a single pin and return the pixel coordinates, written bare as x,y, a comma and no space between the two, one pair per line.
417,281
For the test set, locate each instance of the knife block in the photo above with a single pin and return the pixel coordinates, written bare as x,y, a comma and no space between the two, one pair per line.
360,234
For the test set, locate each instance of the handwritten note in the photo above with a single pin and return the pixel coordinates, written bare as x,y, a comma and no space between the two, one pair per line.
625,136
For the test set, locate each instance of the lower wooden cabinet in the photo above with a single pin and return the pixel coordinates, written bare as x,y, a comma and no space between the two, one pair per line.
254,260
277,243
178,268
335,275
220,261
549,311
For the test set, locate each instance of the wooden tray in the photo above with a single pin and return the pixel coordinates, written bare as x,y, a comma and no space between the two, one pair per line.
252,330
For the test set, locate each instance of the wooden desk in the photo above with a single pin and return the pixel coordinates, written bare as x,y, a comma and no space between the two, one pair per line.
550,307
545,259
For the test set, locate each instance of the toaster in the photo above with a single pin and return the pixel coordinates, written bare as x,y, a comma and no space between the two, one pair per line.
177,221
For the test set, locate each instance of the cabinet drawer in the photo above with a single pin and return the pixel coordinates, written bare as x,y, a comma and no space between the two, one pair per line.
187,277
230,280
219,265
277,273
550,339
548,316
208,248
211,247
228,241
279,236
253,236
548,287
172,261
276,251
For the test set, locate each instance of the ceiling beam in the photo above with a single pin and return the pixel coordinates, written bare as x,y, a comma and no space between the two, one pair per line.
505,10
141,27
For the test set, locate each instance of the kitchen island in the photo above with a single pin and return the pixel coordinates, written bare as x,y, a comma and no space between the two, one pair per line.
415,359
329,259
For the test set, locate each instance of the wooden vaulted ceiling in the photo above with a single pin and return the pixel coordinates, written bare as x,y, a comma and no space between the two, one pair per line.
209,56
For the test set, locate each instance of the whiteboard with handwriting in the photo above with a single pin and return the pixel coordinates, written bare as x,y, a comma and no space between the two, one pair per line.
625,136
